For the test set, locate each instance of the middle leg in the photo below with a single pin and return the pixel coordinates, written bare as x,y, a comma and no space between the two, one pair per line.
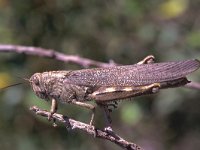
88,106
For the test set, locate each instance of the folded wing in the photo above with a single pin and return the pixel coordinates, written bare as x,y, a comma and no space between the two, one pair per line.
133,75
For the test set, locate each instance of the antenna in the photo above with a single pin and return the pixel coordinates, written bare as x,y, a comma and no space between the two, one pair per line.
10,86
24,79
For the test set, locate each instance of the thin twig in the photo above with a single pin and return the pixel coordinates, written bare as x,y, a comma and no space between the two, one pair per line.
193,85
73,124
49,53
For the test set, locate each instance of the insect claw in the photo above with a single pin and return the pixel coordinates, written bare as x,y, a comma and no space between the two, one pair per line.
95,132
50,116
73,127
54,123
108,129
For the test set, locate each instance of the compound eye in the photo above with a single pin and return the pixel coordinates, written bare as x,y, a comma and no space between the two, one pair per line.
36,81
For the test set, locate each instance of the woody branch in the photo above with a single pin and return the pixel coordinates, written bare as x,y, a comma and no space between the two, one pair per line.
49,53
73,124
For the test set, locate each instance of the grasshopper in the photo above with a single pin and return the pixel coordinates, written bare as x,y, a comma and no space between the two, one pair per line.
108,85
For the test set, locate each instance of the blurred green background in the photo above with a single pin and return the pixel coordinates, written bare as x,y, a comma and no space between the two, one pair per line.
121,30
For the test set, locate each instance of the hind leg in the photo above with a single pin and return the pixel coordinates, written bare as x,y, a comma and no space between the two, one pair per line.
147,60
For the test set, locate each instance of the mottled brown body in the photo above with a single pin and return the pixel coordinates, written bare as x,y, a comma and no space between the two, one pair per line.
84,85
110,84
